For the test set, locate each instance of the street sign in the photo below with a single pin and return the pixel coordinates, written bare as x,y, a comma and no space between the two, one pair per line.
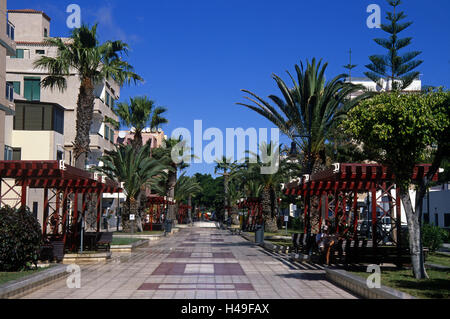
286,218
132,217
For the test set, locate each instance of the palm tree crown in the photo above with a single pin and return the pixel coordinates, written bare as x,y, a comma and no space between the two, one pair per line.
140,113
93,63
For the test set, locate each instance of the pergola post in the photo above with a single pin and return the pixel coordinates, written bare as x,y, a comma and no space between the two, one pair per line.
23,194
75,220
374,215
46,209
99,198
355,214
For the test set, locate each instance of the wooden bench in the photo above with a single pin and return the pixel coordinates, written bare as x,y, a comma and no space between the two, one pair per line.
104,241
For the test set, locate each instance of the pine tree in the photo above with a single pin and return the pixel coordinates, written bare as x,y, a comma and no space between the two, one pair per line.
396,69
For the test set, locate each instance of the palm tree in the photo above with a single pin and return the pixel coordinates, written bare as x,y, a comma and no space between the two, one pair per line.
310,109
93,62
269,184
228,168
134,168
164,155
140,113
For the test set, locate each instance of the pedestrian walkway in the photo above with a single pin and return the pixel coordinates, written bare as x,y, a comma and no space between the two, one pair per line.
198,263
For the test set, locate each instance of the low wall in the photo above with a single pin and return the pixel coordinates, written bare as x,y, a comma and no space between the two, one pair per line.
26,285
358,286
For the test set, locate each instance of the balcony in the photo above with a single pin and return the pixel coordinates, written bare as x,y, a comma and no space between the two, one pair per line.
9,92
10,30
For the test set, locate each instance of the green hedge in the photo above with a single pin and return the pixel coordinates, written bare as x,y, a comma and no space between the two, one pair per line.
20,239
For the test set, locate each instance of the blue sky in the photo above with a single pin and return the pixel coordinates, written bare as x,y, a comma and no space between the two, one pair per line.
196,55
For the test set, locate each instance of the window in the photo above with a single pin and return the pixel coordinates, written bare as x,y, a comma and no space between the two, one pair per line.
107,98
106,133
446,220
59,155
9,94
35,209
436,219
111,135
45,32
40,52
16,85
32,89
426,218
17,154
19,54
8,156
38,117
112,102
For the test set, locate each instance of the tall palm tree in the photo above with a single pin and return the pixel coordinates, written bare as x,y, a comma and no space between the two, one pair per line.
309,109
140,113
164,155
269,184
93,63
134,168
224,164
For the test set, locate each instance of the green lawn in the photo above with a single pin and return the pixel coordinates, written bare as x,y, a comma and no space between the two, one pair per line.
438,259
124,241
437,286
9,276
154,232
281,242
282,232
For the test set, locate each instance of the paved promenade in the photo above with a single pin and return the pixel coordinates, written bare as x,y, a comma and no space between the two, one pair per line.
198,263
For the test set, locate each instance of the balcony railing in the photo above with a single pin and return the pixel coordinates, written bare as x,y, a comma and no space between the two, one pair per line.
10,30
9,92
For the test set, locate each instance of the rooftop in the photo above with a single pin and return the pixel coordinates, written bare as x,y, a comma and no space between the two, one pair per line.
32,11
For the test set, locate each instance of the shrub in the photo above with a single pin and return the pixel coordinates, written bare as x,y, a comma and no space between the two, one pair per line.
297,223
20,239
433,236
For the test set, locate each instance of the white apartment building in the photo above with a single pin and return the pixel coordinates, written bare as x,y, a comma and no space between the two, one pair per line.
7,48
31,29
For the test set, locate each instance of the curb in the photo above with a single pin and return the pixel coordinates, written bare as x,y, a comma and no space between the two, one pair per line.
267,245
86,258
148,237
128,248
357,285
26,285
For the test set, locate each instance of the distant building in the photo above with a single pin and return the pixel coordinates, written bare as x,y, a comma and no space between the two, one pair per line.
32,27
7,109
436,206
155,137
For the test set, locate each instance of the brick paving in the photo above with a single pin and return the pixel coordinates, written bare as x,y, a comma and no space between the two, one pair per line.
198,263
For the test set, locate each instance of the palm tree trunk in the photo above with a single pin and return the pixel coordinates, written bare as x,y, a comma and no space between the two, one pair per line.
137,140
171,194
267,203
85,111
190,208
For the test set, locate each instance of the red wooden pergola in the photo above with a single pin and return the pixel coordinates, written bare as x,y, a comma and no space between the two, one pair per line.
254,209
338,188
59,222
156,206
182,212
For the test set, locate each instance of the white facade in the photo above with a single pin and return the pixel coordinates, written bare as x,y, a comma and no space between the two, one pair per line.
438,201
32,27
